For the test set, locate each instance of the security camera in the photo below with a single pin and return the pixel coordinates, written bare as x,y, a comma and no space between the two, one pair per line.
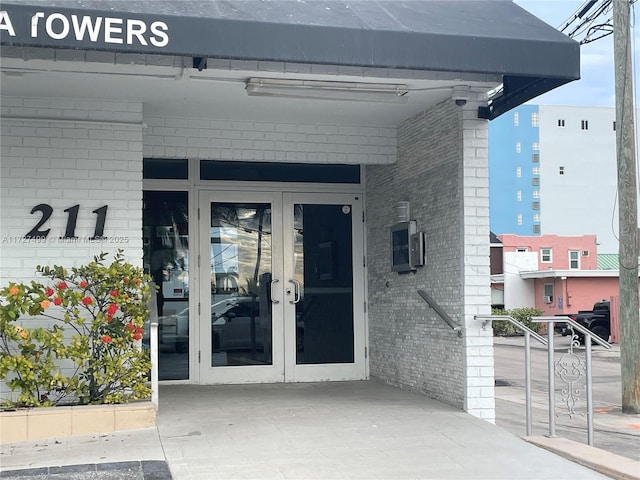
460,94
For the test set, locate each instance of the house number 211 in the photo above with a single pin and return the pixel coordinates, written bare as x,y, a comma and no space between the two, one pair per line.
72,216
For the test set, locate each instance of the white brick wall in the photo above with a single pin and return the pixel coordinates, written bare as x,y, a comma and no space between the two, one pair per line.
478,343
410,345
268,142
66,152
442,170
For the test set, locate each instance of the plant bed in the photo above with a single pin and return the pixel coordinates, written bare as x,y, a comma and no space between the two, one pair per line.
24,424
71,355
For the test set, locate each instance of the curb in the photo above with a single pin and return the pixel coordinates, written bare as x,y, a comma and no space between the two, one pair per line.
607,463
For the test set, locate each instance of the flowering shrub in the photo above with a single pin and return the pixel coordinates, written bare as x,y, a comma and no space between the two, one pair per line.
95,315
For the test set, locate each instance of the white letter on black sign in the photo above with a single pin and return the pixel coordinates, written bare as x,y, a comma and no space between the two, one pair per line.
161,38
86,25
5,23
112,26
34,24
136,28
65,26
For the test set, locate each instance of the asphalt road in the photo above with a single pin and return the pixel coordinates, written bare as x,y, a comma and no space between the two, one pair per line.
607,393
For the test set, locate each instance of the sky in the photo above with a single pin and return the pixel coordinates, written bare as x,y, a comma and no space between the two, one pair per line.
596,86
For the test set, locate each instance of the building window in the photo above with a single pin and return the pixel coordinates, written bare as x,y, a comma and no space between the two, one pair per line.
534,119
535,157
614,125
545,255
574,259
548,293
518,172
535,170
535,181
516,119
535,146
519,219
536,217
519,195
518,147
561,122
584,124
536,194
561,170
535,205
536,229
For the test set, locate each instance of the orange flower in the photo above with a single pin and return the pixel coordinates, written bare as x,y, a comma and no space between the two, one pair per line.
23,334
137,336
14,291
106,338
45,304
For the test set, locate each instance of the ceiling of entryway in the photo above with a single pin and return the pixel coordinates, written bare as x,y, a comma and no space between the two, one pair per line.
218,94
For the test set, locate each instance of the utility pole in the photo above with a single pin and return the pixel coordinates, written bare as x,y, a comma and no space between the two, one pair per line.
628,210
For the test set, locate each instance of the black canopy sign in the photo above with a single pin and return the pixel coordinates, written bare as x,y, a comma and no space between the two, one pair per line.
35,26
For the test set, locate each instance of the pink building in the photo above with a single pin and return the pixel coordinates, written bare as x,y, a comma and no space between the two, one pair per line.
556,274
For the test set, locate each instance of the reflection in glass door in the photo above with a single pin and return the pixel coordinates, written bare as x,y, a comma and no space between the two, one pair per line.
241,313
166,258
281,291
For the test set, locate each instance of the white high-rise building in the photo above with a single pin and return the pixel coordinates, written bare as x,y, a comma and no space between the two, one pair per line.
562,160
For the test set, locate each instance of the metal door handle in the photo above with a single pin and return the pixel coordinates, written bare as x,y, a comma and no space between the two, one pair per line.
296,292
273,282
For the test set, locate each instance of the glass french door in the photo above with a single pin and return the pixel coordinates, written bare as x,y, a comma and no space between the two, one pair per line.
282,287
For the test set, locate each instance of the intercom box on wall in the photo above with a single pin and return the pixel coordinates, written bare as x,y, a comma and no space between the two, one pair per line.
407,247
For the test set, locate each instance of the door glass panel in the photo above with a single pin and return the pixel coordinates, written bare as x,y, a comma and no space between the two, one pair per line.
165,222
323,267
240,251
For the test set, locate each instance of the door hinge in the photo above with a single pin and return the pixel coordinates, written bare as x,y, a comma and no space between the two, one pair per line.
364,261
198,260
198,308
365,307
199,356
198,213
363,217
365,352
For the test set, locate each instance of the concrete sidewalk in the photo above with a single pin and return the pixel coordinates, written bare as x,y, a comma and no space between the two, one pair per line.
341,430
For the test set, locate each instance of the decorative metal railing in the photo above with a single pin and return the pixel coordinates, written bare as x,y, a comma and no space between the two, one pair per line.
441,313
570,369
528,333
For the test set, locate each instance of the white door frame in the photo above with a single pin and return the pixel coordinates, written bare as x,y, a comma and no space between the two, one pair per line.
284,366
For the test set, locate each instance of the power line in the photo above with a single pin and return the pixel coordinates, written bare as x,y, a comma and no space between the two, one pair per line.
591,22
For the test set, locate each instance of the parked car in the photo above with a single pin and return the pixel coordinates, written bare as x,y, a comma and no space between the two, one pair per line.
232,321
598,321
231,326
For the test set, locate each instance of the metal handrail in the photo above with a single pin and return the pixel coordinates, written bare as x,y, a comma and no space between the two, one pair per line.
588,338
441,313
513,322
528,333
